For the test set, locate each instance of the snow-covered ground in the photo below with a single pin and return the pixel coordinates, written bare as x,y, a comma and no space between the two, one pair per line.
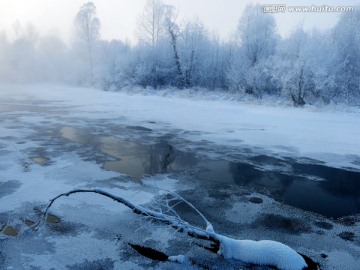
37,163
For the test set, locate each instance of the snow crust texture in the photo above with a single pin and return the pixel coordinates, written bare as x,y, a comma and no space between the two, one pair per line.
265,252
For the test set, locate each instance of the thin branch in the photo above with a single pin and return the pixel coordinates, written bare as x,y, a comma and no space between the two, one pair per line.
174,222
170,209
209,226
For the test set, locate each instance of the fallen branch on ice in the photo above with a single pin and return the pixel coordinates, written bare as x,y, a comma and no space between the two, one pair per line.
265,252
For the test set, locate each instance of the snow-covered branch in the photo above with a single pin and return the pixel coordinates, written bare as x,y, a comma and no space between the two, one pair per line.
265,252
175,222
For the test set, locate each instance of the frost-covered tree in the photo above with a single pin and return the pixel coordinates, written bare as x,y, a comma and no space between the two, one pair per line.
202,56
152,65
87,27
257,33
112,58
195,50
237,68
218,58
346,58
293,67
306,67
301,66
180,56
257,37
173,31
152,62
86,23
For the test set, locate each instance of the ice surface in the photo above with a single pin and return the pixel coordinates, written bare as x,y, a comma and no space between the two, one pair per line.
40,183
326,135
88,221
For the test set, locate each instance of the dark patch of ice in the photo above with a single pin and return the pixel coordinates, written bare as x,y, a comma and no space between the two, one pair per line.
281,223
9,187
150,253
68,228
140,128
105,264
349,220
347,236
256,200
324,225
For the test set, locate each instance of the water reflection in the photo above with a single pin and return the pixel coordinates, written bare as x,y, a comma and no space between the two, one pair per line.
78,135
134,159
337,195
137,160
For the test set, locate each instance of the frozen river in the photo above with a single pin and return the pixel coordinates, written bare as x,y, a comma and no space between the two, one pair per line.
248,177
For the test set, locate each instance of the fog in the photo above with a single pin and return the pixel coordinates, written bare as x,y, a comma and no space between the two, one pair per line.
119,17
227,45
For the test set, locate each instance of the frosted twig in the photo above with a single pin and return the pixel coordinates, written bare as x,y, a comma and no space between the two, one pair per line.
174,222
209,226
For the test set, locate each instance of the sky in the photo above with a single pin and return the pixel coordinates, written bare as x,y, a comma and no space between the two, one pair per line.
119,17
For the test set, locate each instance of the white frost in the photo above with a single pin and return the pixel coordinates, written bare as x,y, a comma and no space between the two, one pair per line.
179,258
265,252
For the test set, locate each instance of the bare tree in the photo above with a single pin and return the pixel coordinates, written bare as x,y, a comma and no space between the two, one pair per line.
87,27
151,22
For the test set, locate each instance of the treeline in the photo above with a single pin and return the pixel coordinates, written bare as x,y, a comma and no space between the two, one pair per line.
305,67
